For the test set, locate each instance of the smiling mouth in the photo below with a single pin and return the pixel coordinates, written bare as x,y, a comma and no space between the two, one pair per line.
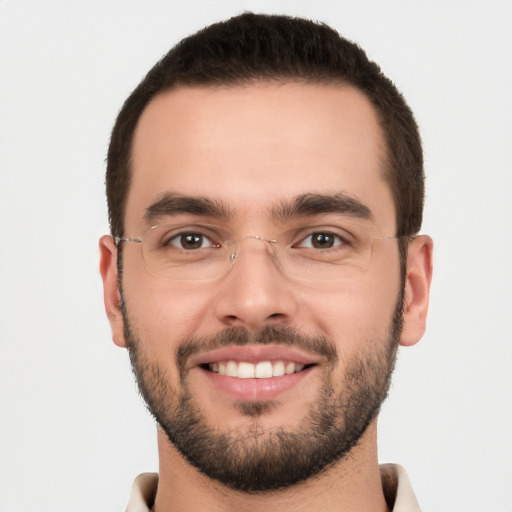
261,370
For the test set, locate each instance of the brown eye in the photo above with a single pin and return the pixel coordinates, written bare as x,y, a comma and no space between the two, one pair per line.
321,240
191,241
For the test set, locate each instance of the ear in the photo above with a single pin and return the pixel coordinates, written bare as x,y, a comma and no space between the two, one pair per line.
111,295
417,289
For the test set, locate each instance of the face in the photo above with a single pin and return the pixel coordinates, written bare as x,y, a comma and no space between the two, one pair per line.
237,161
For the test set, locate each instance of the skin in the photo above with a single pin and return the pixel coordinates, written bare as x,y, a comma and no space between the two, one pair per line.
252,148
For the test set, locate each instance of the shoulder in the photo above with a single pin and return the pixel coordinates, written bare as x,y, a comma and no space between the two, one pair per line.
143,493
397,489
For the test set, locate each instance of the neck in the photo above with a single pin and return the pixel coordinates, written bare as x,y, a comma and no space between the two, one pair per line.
351,485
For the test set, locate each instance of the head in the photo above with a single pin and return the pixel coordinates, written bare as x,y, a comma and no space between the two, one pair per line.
253,48
273,136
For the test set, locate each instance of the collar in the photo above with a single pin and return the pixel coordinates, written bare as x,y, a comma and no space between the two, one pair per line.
395,483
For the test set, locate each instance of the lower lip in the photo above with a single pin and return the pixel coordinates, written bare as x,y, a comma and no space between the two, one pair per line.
255,390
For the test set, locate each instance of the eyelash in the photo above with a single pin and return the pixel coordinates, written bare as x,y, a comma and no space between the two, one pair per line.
179,238
338,240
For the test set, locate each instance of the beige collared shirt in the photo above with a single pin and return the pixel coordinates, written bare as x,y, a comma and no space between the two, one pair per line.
395,483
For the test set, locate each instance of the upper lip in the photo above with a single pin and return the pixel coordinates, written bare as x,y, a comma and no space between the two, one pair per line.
254,354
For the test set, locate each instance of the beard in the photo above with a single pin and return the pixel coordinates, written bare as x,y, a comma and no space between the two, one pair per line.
253,458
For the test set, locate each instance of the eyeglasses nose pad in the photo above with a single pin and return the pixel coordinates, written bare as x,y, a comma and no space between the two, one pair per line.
234,255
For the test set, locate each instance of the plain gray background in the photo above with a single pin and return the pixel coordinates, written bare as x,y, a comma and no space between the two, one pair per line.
73,431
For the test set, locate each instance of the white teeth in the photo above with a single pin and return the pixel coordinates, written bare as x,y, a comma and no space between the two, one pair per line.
262,370
232,369
278,369
245,371
289,368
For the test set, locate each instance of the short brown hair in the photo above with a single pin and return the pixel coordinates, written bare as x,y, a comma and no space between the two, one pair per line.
254,47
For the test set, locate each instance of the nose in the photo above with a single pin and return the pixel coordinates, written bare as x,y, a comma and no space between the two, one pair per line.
255,293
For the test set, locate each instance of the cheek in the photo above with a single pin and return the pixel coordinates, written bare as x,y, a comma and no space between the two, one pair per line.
162,313
355,314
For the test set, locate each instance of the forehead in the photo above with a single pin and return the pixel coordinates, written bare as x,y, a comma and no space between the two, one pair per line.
257,145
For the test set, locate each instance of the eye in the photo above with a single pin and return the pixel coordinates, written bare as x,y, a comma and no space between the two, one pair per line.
191,241
321,240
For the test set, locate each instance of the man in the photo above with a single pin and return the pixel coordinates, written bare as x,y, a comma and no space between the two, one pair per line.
265,191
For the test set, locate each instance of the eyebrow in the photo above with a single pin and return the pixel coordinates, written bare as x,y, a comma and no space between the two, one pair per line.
305,205
315,204
171,204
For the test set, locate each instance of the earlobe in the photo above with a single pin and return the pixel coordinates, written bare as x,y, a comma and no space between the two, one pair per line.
111,295
417,289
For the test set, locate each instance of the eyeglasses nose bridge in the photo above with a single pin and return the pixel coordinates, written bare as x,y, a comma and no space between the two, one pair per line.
234,255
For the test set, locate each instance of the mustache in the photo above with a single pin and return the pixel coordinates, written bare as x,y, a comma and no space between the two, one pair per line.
240,336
